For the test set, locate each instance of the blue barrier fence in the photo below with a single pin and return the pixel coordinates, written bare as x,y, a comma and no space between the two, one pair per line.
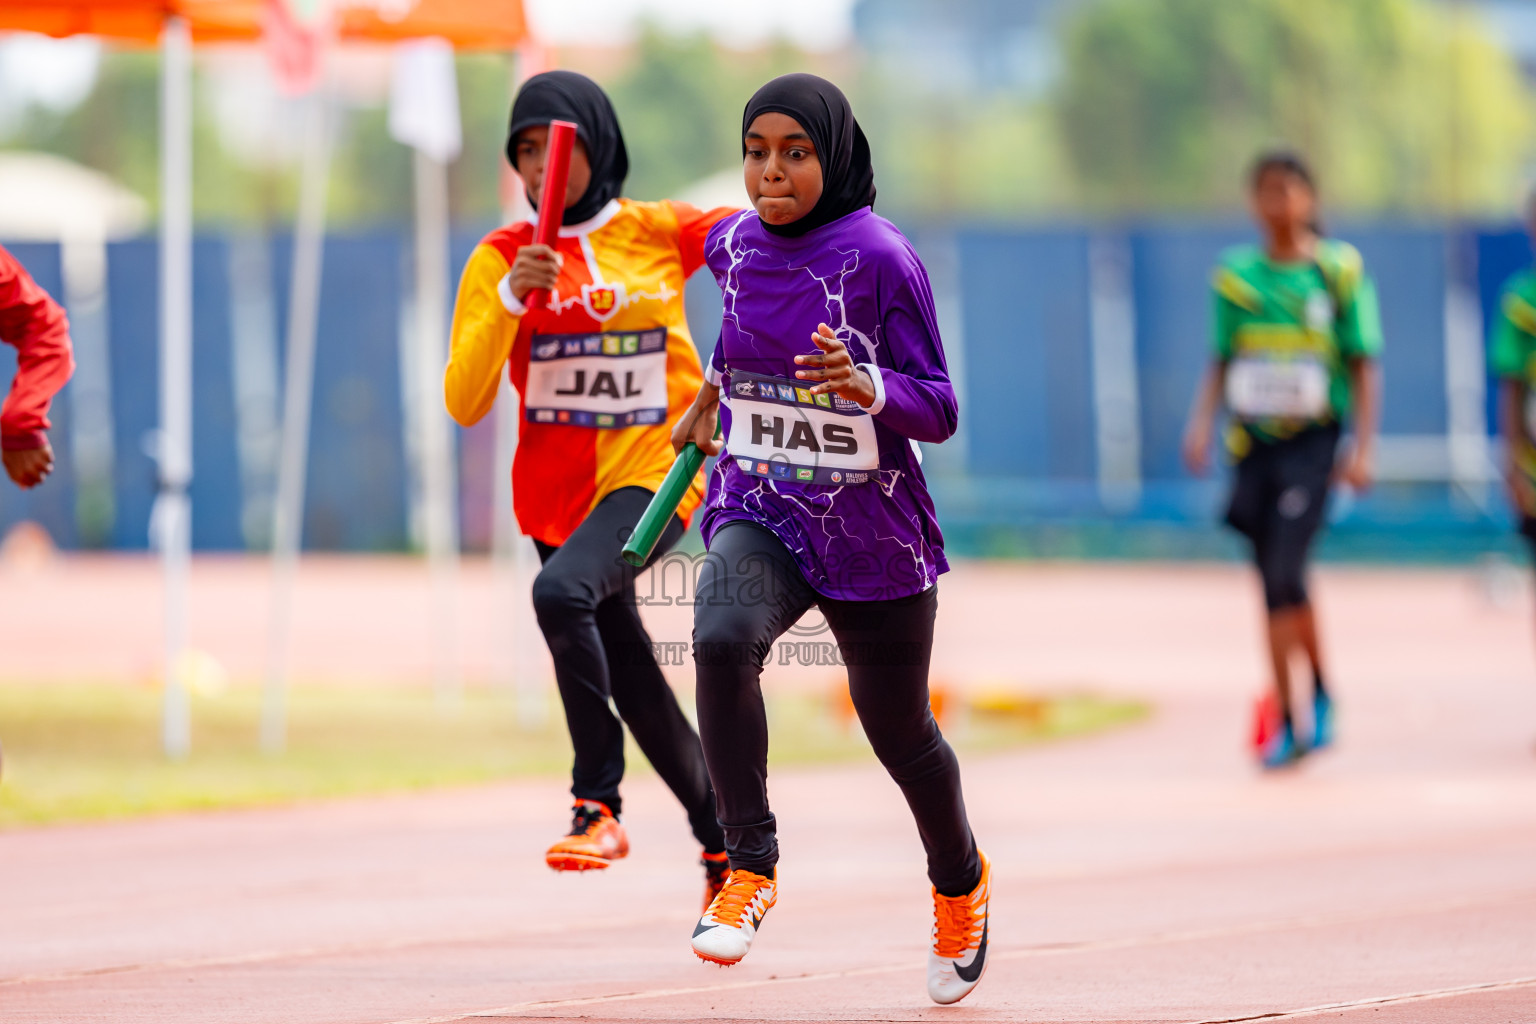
1029,474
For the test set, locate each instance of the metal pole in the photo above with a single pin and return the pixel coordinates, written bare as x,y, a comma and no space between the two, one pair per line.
514,563
254,376
84,257
1116,385
438,475
513,558
171,521
1470,464
298,393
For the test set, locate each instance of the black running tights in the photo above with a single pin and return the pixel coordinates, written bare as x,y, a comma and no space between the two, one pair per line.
585,601
750,592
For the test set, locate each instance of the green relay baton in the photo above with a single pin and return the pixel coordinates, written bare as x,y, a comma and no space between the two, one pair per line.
663,505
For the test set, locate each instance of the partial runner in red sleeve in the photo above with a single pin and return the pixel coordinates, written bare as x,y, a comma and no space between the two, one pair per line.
36,325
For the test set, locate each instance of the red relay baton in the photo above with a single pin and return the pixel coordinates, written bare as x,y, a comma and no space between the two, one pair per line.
557,171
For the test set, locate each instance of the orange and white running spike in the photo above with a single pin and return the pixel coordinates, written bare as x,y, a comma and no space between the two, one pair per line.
725,933
958,958
595,840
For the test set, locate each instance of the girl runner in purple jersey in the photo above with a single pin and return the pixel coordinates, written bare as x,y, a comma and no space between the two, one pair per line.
829,366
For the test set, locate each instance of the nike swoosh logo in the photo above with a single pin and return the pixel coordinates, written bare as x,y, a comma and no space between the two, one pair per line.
757,919
972,973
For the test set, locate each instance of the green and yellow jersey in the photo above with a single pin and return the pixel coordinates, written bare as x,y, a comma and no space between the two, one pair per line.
1512,353
1287,333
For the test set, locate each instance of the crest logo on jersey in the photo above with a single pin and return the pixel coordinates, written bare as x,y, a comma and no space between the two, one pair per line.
602,300
744,388
548,350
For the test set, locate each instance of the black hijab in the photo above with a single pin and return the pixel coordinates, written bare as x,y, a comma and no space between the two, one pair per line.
567,96
847,176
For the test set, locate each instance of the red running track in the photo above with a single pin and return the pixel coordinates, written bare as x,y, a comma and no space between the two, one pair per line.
1142,875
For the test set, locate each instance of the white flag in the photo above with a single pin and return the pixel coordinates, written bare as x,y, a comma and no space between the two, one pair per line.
424,99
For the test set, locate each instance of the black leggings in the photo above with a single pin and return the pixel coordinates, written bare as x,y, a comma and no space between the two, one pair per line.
585,601
750,592
1278,502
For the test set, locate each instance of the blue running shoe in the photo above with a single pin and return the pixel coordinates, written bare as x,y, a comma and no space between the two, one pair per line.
1282,749
1322,721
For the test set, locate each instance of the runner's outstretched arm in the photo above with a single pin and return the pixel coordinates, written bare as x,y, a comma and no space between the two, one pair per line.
1365,382
36,325
1202,418
698,423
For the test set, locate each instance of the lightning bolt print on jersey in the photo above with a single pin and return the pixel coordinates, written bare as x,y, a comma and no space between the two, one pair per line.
840,486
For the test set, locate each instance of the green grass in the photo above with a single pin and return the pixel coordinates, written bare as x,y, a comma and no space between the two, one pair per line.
89,752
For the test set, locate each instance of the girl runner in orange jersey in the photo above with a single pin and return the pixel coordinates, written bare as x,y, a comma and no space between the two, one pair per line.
601,372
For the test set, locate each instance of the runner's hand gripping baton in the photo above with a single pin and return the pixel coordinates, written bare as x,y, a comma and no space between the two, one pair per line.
557,171
637,550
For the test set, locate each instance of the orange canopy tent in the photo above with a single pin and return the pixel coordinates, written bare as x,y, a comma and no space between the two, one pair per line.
467,24
176,25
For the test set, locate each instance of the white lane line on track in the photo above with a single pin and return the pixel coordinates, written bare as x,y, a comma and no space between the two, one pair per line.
1049,949
1054,949
392,945
261,956
1397,1000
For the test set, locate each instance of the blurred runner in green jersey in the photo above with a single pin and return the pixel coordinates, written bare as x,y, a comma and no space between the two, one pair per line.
1512,350
1297,334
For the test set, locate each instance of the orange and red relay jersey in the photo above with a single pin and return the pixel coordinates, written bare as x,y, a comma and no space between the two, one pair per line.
601,373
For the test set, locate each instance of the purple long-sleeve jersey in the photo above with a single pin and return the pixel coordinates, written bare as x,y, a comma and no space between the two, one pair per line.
856,535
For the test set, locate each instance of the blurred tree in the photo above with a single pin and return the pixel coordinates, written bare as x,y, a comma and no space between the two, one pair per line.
1401,104
371,176
372,180
113,130
676,125
939,157
485,101
116,130
680,100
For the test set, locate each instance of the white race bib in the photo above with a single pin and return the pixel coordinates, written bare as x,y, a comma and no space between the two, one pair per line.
602,381
781,431
1261,388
